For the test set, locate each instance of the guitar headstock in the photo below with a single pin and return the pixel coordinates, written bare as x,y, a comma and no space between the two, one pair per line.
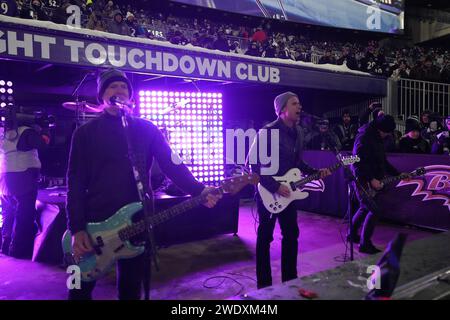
235,184
349,160
416,173
419,172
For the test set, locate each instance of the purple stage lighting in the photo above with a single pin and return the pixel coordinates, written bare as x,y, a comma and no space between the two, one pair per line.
6,97
6,92
192,123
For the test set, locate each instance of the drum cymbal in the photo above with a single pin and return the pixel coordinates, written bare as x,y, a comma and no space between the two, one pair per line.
82,107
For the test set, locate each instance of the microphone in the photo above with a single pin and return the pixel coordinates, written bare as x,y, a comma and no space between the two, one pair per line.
120,103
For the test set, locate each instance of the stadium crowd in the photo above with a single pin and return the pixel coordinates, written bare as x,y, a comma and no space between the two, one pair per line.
427,134
253,38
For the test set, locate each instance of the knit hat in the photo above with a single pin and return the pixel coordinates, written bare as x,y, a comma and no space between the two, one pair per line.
106,78
281,100
385,123
117,12
412,124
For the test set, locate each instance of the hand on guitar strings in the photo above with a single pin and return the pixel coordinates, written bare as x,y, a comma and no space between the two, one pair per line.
324,172
81,244
284,191
212,197
376,184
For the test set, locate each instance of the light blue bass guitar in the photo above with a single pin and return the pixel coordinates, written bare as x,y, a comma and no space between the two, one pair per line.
111,239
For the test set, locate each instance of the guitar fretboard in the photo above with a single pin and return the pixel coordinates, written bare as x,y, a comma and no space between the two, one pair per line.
316,176
139,227
393,179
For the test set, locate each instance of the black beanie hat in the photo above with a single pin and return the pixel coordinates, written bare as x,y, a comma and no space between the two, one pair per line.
412,124
106,78
385,123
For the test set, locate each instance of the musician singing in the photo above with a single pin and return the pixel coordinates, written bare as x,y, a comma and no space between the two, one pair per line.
288,109
101,181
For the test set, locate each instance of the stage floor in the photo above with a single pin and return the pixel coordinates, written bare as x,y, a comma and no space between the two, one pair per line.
222,267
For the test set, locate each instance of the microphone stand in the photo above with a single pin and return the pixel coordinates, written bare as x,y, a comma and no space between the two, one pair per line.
150,248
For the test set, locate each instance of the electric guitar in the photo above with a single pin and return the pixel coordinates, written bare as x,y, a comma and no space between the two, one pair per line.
112,238
370,192
296,182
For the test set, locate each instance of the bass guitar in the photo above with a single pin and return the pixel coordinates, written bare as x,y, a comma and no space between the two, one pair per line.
112,238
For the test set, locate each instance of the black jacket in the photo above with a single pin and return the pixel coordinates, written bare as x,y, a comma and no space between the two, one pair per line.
408,145
31,139
346,135
370,149
442,144
100,177
290,153
324,141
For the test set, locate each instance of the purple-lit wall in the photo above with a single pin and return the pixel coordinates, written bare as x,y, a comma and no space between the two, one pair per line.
192,123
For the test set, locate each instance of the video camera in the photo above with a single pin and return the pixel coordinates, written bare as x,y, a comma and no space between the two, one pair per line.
10,119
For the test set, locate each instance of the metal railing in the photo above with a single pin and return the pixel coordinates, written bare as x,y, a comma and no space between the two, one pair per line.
315,57
415,96
354,109
406,97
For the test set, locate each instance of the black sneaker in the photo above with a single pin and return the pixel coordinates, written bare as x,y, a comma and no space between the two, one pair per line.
369,249
354,239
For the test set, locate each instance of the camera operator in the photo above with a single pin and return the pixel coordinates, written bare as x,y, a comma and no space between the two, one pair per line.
19,176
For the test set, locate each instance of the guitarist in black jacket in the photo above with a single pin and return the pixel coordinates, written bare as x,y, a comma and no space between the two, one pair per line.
101,181
373,167
288,109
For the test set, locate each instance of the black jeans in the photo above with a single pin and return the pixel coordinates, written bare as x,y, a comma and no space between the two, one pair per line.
289,244
19,212
367,216
130,273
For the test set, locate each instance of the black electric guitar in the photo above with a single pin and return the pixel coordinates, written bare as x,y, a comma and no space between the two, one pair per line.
370,192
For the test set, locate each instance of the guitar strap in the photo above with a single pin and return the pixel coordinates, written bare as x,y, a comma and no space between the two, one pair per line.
140,153
139,148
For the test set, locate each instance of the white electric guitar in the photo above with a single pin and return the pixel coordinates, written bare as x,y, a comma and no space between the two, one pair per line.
296,183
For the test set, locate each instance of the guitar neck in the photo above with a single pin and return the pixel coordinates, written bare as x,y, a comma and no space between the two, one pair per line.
316,176
394,179
139,227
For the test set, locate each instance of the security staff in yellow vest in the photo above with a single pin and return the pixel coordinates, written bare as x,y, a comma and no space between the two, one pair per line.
19,176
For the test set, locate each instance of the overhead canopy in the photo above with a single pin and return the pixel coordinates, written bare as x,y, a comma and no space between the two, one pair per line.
47,42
